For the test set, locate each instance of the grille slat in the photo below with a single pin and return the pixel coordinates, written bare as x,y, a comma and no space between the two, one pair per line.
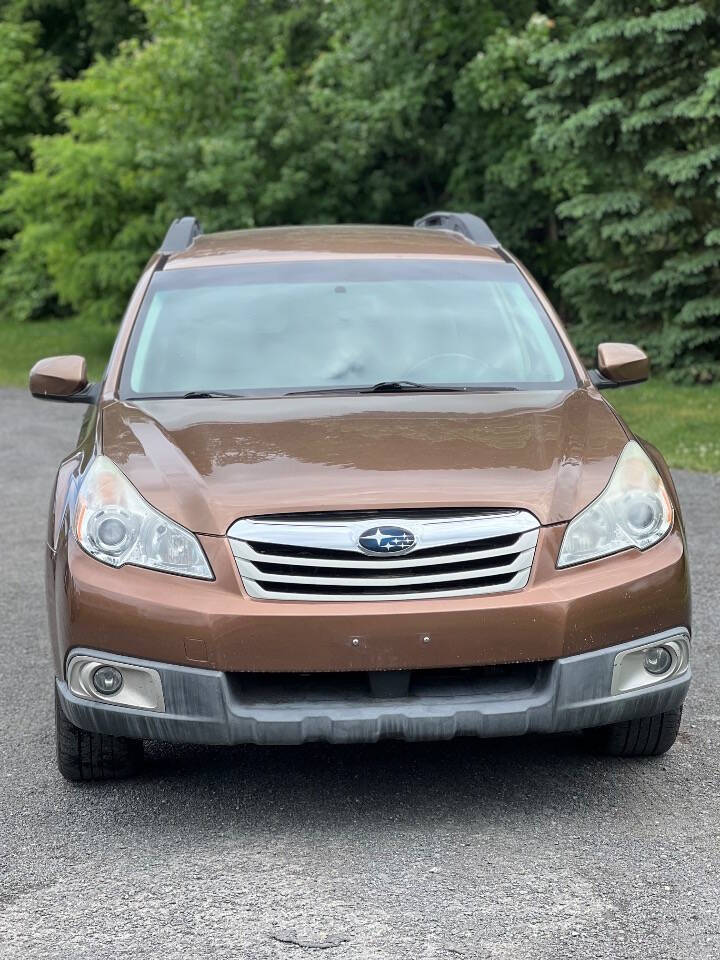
450,553
307,554
390,576
380,593
319,559
394,571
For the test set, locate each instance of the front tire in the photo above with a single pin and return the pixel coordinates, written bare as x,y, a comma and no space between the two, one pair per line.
645,737
82,755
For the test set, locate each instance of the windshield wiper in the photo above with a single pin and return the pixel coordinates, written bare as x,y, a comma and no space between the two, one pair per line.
409,386
399,386
384,386
208,394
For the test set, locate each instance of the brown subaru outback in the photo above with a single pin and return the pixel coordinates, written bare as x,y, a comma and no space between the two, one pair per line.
346,483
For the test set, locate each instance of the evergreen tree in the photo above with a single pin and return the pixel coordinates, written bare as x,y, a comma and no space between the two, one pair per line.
497,170
630,120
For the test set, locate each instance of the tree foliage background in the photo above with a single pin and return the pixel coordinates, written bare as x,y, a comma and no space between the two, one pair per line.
586,133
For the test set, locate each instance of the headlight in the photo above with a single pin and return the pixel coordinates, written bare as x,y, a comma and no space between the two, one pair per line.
634,510
114,524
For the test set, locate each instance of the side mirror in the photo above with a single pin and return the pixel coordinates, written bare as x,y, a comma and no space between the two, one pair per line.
62,378
619,365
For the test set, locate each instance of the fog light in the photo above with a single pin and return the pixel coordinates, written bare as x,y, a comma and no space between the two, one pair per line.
107,680
668,658
120,683
658,660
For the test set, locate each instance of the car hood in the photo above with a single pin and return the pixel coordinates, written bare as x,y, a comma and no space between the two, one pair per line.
207,462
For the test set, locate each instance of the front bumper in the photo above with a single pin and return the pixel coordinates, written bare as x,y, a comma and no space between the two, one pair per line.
147,614
205,706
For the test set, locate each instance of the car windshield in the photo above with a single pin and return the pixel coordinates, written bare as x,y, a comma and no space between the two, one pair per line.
341,324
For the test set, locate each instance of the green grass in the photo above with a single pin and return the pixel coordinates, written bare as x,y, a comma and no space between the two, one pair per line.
21,344
683,422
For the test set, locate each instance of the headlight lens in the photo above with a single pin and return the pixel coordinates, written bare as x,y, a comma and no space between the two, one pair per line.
634,510
114,524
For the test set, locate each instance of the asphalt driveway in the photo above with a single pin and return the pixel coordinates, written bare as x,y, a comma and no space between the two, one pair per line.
515,849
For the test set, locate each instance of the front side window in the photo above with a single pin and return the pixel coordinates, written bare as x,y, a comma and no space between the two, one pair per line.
286,327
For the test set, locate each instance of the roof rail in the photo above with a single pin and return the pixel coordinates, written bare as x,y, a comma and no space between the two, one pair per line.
467,224
180,235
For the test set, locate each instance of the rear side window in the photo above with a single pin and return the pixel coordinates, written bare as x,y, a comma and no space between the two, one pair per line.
291,326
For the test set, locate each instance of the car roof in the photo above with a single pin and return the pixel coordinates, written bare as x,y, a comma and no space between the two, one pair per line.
327,243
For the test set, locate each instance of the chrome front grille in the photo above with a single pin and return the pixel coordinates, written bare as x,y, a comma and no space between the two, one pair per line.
318,558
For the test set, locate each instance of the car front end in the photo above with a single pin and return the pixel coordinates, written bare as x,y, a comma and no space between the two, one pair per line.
345,561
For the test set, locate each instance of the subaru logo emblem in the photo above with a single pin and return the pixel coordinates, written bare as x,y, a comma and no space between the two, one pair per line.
386,540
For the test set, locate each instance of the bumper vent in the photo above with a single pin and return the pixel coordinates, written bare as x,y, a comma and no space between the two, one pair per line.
321,559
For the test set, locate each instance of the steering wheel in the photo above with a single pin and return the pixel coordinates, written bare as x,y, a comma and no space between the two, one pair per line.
475,361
